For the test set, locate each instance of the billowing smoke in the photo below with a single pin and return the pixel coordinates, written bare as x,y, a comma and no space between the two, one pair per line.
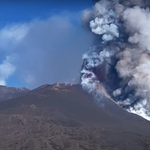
119,61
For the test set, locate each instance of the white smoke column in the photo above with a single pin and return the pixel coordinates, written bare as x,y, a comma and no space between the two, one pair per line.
104,22
133,67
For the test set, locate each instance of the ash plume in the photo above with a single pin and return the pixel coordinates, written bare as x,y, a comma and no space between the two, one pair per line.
119,61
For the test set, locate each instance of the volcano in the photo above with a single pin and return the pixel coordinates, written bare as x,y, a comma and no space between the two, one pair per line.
64,116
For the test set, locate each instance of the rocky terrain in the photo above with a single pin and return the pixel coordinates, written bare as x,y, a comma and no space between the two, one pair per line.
64,117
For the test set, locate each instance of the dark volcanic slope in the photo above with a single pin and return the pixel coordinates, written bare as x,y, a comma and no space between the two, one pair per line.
63,117
11,92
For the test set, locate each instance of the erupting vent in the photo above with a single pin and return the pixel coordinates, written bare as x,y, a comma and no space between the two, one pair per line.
120,62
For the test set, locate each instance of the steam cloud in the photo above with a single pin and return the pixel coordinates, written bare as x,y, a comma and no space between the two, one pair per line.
44,51
120,59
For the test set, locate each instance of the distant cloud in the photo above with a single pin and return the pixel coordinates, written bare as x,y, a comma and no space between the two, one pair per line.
43,51
12,35
6,70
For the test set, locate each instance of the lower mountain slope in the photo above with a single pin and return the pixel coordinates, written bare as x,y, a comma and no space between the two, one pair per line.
64,117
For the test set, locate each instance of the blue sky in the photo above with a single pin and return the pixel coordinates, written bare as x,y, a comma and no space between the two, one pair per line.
27,10
38,37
